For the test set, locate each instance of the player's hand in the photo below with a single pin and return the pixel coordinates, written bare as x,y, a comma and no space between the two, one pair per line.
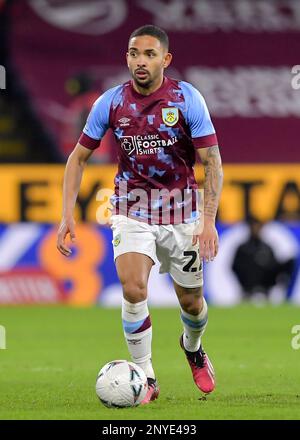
208,241
67,226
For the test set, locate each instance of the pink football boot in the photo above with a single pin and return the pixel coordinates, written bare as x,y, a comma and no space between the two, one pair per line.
202,369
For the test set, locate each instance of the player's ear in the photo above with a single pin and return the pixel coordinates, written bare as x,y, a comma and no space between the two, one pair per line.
167,59
127,55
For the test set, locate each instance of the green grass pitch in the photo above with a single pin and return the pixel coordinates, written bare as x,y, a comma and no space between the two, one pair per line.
53,355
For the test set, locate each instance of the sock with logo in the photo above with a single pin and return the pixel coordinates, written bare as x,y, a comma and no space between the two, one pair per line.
194,327
138,334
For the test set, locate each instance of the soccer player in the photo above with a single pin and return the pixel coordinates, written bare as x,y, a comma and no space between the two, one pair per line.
160,125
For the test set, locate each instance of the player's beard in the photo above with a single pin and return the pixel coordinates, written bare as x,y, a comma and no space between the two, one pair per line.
145,84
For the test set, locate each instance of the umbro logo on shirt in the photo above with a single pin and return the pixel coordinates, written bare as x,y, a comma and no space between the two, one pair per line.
124,122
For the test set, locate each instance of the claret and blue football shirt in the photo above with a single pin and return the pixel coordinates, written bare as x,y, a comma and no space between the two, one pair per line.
157,136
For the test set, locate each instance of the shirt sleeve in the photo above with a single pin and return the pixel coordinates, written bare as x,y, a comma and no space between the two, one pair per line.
98,121
198,119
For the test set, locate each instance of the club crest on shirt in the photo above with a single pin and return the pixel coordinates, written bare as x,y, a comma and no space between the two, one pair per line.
170,115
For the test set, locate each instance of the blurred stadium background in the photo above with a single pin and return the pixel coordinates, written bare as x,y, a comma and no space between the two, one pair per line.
59,55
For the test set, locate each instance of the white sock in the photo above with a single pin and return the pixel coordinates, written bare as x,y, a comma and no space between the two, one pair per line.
138,334
194,327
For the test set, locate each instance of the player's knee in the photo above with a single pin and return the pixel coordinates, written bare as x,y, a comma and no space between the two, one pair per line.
193,307
135,291
192,303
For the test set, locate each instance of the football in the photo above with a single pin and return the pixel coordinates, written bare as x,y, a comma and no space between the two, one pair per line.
121,384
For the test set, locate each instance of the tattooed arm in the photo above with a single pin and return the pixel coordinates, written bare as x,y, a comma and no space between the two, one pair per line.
211,160
208,238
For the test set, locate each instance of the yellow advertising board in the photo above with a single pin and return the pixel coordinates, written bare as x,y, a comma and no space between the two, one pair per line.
34,192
